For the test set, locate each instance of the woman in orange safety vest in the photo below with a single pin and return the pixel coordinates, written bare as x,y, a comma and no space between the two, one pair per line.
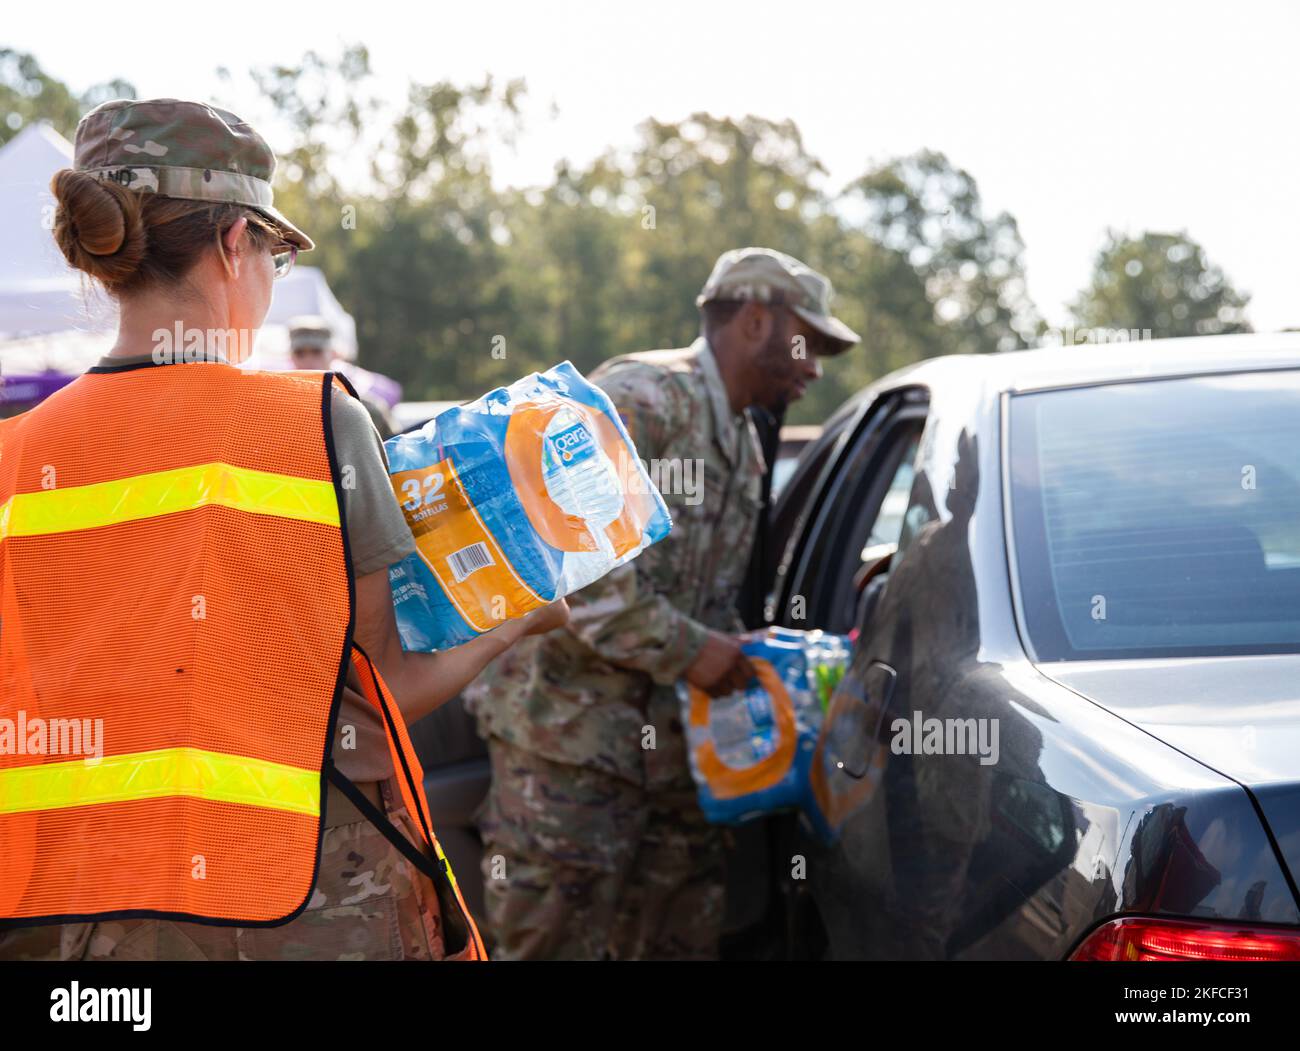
203,696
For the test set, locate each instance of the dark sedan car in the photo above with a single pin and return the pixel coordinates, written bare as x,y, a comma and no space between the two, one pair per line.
1072,722
1082,567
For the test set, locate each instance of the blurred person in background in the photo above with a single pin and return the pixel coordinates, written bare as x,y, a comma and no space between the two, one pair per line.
311,346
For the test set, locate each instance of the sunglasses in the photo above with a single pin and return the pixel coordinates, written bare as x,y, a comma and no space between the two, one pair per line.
283,257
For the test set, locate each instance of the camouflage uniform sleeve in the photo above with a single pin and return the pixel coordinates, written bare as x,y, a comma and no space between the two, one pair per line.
626,616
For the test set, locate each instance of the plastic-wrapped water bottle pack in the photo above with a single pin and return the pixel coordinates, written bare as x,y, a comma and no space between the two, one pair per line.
751,752
519,498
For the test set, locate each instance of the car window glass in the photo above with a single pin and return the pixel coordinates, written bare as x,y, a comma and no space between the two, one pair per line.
1159,518
867,508
888,524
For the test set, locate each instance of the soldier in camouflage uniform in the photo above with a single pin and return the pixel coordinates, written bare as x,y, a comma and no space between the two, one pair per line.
595,846
368,900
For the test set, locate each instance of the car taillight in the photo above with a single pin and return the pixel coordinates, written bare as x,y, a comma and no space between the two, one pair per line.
1131,939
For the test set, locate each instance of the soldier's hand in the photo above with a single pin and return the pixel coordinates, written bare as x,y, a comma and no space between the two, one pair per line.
547,618
720,667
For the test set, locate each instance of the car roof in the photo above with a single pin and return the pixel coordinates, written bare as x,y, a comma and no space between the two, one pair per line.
1047,368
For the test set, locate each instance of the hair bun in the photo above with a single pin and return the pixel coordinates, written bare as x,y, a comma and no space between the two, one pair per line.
98,226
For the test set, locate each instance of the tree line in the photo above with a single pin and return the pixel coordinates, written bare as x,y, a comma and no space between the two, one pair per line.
458,284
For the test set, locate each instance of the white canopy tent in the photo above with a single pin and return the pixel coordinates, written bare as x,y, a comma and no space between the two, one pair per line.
51,317
38,291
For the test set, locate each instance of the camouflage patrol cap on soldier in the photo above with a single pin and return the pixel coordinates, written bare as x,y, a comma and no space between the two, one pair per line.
768,276
181,149
309,330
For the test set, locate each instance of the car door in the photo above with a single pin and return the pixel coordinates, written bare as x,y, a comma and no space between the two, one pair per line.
854,522
847,493
933,851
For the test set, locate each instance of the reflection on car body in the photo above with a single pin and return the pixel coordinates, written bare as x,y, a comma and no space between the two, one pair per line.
1074,556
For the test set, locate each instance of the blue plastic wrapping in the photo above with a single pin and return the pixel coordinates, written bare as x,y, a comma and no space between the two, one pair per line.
752,751
526,495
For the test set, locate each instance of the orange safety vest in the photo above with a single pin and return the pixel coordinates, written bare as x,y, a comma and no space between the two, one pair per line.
176,614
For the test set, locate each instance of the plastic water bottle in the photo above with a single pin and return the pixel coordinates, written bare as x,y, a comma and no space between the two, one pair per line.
581,479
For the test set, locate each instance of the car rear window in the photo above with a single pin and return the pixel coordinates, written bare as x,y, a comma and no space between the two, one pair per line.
1159,518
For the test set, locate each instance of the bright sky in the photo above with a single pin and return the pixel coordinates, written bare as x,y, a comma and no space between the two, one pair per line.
1140,114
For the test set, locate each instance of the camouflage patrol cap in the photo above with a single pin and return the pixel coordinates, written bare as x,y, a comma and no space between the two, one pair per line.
309,330
768,276
181,149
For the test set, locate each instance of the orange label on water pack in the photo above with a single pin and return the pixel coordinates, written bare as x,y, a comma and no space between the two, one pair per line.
728,782
525,434
459,550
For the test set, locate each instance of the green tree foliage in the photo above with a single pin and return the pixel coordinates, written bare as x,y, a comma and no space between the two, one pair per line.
412,238
458,285
625,245
930,213
28,93
1162,283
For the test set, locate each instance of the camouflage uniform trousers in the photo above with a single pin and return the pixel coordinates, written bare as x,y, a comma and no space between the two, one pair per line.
583,865
369,903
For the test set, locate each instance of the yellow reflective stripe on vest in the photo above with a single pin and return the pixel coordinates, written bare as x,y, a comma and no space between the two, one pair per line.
152,775
166,492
